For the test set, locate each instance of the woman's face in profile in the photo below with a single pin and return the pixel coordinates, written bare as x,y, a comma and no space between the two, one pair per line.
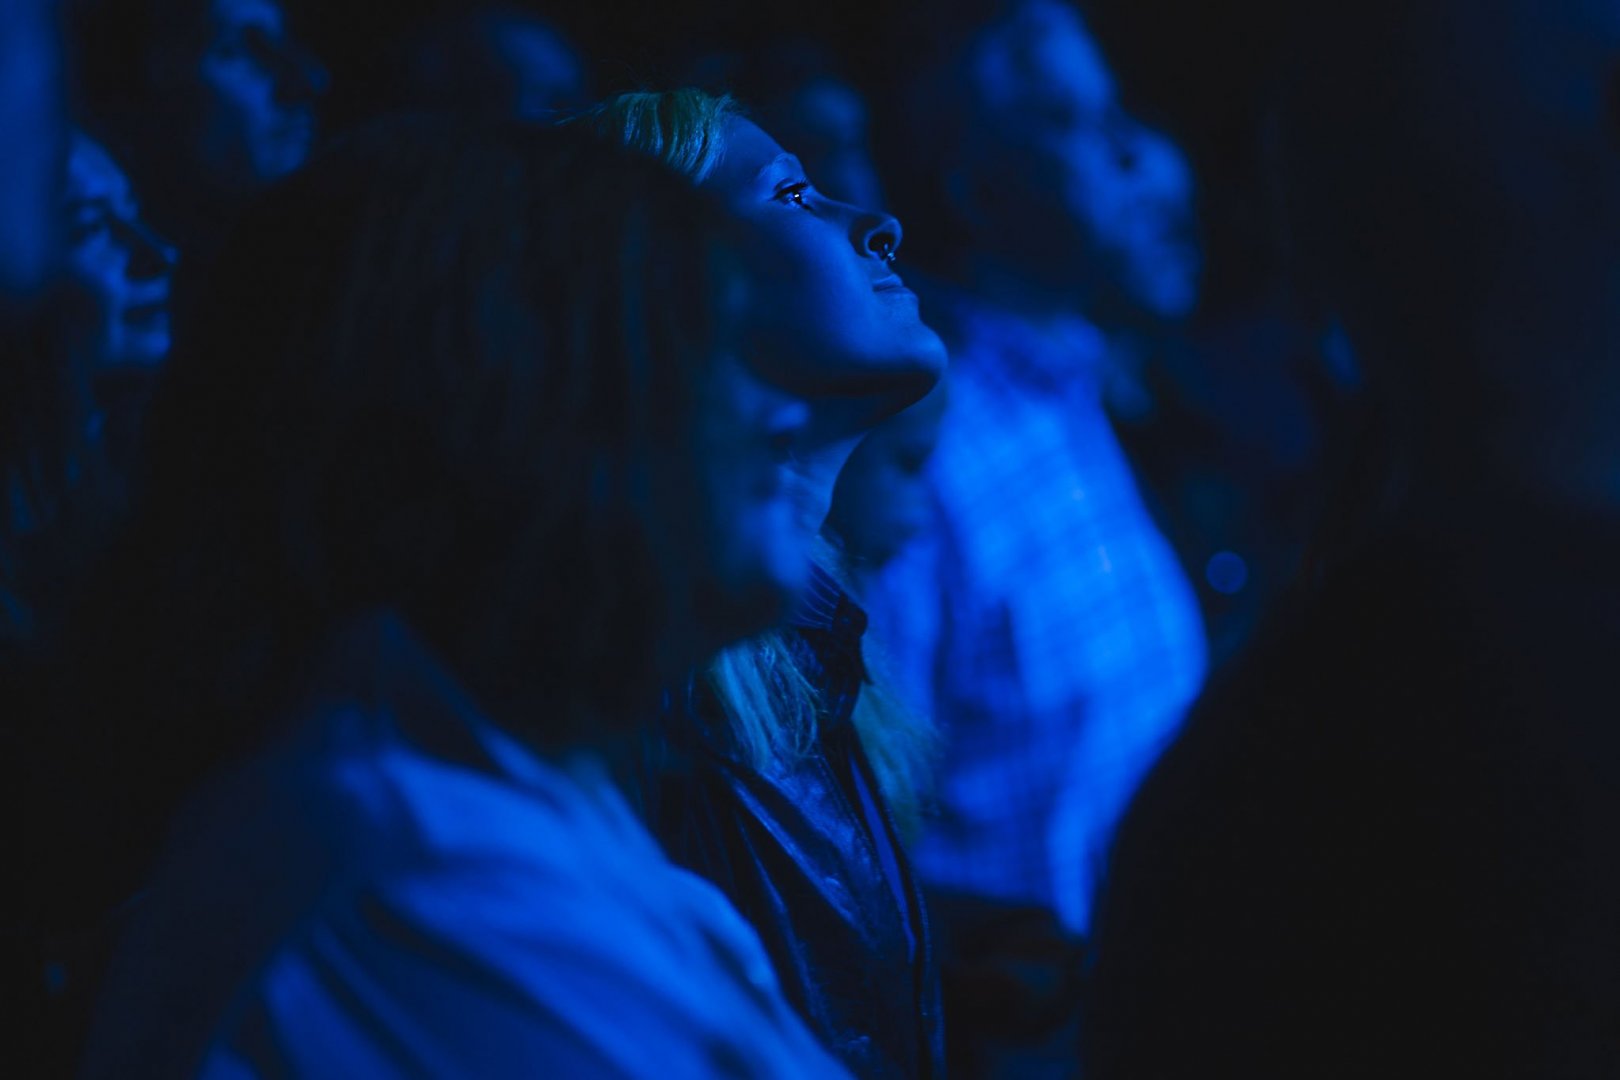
118,269
255,94
827,316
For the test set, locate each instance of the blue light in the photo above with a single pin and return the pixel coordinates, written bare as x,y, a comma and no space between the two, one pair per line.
1226,573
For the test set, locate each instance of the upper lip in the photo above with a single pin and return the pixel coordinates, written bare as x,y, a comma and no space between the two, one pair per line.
888,281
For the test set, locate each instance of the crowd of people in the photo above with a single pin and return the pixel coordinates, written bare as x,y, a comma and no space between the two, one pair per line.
510,567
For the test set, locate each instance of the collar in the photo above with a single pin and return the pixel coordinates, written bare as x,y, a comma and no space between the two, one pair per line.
817,609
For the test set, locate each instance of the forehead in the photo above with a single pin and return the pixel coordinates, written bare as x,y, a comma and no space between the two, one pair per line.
240,14
748,151
1042,54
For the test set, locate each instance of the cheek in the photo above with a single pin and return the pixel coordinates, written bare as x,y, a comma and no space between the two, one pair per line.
806,270
235,94
802,301
96,278
1095,209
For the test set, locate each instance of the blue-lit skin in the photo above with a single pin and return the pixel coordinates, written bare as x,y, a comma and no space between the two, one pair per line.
33,132
882,500
117,269
1076,202
255,96
752,556
541,72
826,316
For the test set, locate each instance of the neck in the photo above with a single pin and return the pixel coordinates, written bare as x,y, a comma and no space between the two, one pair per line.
816,473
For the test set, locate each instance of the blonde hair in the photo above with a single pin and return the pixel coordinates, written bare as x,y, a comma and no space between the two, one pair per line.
770,703
684,129
771,706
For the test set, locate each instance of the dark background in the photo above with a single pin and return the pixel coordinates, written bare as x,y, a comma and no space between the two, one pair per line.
1198,70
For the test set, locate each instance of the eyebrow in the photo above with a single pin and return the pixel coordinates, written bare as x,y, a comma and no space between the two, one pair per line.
793,164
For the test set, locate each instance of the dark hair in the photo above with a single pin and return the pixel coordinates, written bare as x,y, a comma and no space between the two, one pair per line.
765,77
45,457
119,50
435,370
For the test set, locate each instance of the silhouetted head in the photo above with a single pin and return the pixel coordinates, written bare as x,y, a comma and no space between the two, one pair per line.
495,59
210,100
1045,172
482,376
33,131
118,270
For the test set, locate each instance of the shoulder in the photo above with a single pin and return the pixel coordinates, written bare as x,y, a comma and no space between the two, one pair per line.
489,965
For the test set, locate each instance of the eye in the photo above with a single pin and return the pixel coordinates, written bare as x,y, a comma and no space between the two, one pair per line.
85,229
793,193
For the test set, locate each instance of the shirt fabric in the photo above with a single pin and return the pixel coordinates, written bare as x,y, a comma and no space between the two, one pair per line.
400,888
828,627
808,852
1048,624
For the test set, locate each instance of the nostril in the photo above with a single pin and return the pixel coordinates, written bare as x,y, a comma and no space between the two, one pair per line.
881,237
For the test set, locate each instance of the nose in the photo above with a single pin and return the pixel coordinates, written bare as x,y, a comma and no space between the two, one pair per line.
876,234
150,256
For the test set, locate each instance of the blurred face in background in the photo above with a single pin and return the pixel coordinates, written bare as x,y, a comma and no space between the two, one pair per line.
32,130
537,71
1058,180
117,270
254,96
882,501
753,555
498,60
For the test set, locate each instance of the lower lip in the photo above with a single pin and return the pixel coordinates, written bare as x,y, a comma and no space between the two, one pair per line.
894,290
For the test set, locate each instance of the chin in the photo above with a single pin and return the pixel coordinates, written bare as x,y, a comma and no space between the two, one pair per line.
931,353
913,362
